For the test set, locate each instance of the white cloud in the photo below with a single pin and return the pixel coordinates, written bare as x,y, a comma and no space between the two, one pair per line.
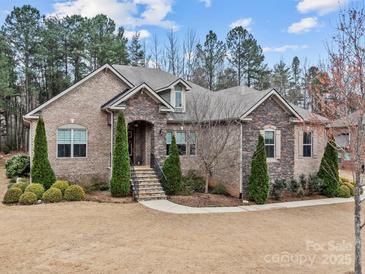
143,34
304,25
130,13
243,22
320,6
284,48
207,3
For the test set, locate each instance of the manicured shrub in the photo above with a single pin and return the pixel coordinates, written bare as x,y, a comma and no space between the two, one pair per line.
28,198
18,165
328,170
258,182
192,182
52,195
219,189
121,175
35,188
293,186
344,179
5,149
344,191
303,182
314,184
278,188
12,195
74,193
300,191
62,185
172,170
21,185
41,168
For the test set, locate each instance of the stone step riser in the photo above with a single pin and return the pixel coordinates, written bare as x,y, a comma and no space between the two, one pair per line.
147,185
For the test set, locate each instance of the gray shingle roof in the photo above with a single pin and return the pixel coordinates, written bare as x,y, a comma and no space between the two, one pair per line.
349,120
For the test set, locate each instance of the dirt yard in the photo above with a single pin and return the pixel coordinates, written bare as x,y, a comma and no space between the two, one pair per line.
90,237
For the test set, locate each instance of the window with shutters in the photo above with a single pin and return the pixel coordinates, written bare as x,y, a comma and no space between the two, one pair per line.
307,144
71,141
269,136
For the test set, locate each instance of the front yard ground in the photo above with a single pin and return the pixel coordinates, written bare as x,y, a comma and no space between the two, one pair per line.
90,237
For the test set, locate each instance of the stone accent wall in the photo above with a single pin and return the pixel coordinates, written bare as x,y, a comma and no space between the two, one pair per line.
141,107
309,165
82,106
269,113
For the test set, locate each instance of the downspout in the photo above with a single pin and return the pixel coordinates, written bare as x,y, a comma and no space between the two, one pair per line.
241,160
111,139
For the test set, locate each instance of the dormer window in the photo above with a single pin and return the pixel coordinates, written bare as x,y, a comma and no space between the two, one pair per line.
178,97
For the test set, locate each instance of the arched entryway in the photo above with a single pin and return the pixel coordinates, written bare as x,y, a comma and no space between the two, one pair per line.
140,142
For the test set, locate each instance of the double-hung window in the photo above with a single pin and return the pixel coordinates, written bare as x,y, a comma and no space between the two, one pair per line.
307,144
181,142
178,97
270,143
71,142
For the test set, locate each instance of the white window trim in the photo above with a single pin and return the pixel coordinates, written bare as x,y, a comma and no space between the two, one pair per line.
274,144
73,127
187,142
311,144
173,99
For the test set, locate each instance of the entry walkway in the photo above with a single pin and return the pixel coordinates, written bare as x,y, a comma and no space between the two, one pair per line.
170,207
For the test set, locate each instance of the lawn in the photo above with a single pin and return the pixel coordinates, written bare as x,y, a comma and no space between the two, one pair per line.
128,238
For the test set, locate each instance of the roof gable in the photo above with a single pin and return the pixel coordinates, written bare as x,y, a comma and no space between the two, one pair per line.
31,114
128,94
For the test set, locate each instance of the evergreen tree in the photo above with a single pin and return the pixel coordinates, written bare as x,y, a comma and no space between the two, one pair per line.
136,53
120,48
245,55
281,78
41,170
210,57
172,170
328,170
295,93
227,79
258,182
121,173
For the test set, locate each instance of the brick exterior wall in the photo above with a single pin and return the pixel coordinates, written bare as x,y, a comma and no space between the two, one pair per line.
82,106
269,113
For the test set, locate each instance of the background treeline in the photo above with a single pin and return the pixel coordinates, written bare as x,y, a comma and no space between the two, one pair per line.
41,56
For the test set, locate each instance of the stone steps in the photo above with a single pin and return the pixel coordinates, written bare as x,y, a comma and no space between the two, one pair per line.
146,184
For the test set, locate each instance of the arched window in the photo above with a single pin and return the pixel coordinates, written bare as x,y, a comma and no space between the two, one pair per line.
71,141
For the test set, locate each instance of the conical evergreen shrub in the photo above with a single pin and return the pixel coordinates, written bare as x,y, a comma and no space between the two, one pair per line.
121,175
41,170
258,182
172,170
328,170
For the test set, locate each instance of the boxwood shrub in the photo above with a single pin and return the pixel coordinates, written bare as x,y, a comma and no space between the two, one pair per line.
12,195
37,189
74,193
62,185
21,185
28,198
344,191
52,195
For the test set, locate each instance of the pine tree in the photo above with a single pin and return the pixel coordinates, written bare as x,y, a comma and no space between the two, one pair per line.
121,174
281,78
258,182
328,170
172,170
295,94
41,170
136,53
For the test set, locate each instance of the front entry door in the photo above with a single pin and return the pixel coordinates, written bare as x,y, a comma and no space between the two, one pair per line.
131,145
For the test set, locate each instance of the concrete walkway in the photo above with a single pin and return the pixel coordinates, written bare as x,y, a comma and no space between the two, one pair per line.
170,207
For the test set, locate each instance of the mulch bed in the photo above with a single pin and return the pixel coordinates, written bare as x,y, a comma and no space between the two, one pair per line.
291,197
105,197
205,200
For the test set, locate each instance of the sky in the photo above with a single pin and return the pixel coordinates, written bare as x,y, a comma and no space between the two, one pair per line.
283,28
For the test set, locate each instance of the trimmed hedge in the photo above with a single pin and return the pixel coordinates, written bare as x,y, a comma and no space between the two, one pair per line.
17,166
344,191
61,185
21,185
74,193
121,174
12,195
37,189
258,182
28,198
172,170
52,195
41,171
